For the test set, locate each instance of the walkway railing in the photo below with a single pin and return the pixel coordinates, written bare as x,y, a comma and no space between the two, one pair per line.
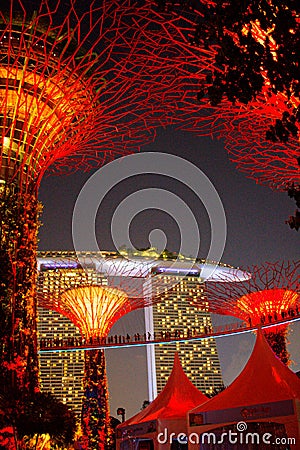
119,341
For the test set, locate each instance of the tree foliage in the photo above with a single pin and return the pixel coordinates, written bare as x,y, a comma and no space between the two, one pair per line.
277,341
96,424
294,192
18,243
37,414
257,51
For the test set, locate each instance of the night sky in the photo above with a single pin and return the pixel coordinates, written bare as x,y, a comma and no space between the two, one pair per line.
256,233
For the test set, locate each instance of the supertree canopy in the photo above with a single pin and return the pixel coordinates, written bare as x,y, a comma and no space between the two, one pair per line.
80,82
251,83
94,309
94,290
271,294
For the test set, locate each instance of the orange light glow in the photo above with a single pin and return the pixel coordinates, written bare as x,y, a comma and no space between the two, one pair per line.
261,35
94,309
266,302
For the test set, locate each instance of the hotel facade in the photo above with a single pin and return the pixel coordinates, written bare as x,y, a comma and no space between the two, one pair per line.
176,315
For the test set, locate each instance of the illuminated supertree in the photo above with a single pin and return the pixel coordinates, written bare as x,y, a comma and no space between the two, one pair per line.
271,294
246,73
80,82
94,290
94,309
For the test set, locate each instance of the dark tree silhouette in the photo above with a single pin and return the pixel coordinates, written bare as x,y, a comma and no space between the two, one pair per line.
294,192
256,51
40,413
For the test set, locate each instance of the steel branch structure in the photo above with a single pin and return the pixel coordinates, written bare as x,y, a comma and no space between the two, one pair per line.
243,130
80,83
94,309
231,104
272,293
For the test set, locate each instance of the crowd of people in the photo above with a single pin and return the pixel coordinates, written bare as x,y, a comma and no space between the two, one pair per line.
123,339
283,315
146,337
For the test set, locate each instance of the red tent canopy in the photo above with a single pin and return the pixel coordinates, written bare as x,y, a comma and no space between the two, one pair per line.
264,379
178,396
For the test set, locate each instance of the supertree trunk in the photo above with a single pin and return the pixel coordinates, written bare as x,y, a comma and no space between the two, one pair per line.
276,338
95,410
18,246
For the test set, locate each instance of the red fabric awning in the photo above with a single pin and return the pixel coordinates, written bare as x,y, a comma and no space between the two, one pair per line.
264,379
174,401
